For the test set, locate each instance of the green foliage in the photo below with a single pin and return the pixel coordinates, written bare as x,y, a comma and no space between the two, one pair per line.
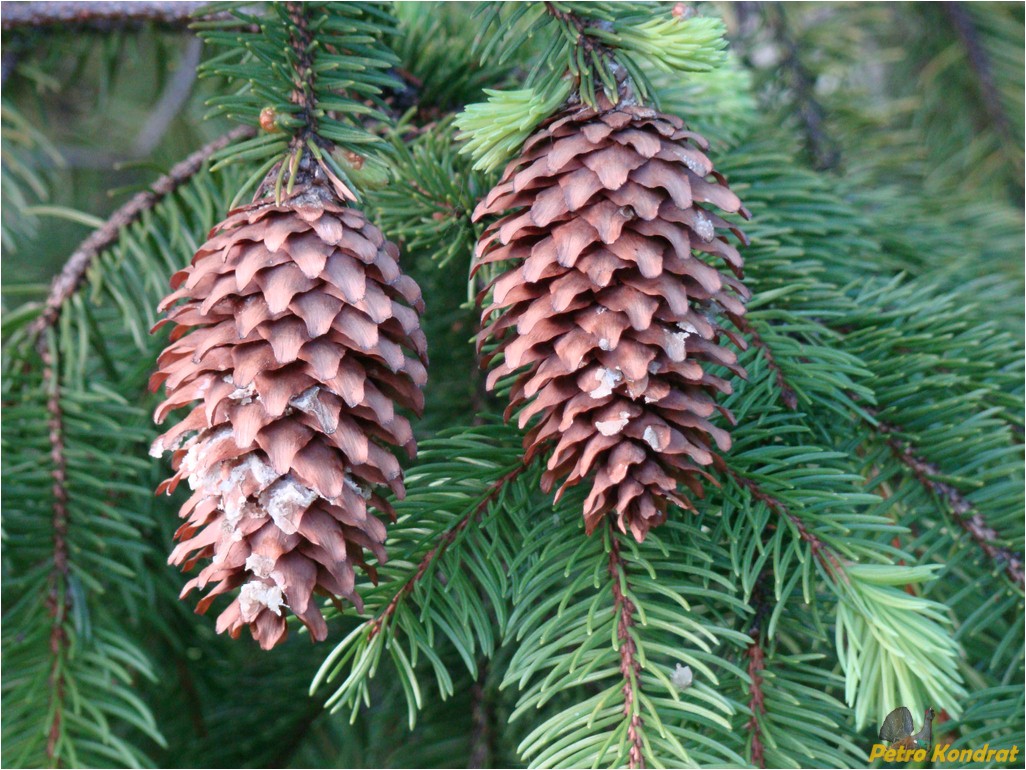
435,45
451,528
803,722
311,71
25,150
598,45
935,155
718,104
970,144
570,638
70,664
830,574
429,202
670,44
74,635
878,654
495,130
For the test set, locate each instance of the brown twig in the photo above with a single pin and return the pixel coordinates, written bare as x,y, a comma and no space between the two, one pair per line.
967,518
593,45
71,276
630,666
59,600
787,395
756,663
301,42
756,701
444,542
100,15
64,285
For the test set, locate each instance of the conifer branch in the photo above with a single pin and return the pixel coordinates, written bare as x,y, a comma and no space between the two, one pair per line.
593,47
481,718
825,153
968,519
787,395
924,471
756,663
74,270
756,700
444,542
584,40
301,42
630,666
102,15
58,600
979,61
820,550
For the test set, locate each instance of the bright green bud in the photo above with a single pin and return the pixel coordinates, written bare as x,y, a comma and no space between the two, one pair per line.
676,44
495,130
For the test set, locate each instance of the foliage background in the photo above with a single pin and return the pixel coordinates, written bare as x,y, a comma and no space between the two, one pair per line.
885,172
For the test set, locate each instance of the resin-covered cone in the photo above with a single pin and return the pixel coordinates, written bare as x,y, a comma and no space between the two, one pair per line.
609,308
296,338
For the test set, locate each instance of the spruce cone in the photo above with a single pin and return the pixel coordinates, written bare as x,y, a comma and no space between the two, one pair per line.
610,309
291,337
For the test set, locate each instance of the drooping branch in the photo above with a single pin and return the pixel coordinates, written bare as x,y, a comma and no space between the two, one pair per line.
787,395
756,663
925,472
101,15
66,283
74,271
481,717
822,148
630,665
756,701
979,61
965,515
444,542
58,601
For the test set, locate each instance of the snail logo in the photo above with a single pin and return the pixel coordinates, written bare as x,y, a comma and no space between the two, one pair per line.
897,730
900,744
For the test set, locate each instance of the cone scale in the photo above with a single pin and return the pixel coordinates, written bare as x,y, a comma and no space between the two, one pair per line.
608,309
296,339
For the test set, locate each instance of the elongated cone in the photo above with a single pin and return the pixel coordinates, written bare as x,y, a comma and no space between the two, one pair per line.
296,338
609,307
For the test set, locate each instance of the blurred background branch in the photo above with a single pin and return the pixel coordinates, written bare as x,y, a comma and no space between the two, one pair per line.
99,15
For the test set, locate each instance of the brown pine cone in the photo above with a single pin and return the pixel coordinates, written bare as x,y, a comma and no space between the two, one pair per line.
608,305
294,337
